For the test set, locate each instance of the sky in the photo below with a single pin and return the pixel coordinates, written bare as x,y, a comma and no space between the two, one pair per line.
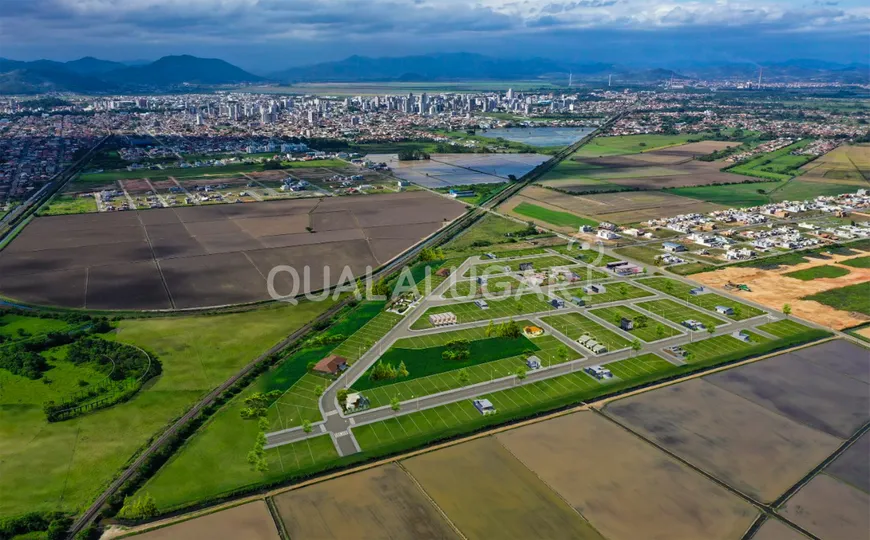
264,35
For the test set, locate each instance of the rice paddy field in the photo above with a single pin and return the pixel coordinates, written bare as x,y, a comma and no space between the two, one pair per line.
651,331
708,301
676,312
469,312
575,325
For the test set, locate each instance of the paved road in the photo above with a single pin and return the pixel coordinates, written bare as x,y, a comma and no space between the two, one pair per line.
340,426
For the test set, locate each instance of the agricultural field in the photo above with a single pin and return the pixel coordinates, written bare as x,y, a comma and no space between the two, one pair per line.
819,272
518,506
857,262
552,217
677,313
852,466
748,446
449,170
514,306
250,521
64,465
575,325
630,144
777,165
846,164
645,328
708,301
618,208
110,260
61,205
850,298
763,192
629,489
614,292
379,502
829,508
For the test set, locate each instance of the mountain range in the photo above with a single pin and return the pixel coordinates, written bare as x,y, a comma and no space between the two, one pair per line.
92,75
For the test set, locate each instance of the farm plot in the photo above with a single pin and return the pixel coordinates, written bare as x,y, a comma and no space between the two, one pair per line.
805,392
498,308
707,301
842,165
753,449
552,217
488,493
629,489
773,529
251,521
644,328
850,298
550,350
620,208
830,509
676,312
575,325
819,272
613,292
379,502
852,466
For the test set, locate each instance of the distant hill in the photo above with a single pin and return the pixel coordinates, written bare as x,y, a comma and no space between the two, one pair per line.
93,75
175,70
433,67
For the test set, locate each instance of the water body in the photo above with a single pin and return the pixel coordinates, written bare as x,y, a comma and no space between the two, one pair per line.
539,136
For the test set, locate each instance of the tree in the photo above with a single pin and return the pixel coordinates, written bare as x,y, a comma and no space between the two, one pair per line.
641,321
138,508
521,373
786,309
462,376
562,352
711,329
636,346
395,404
318,390
403,371
342,395
490,329
660,331
263,424
306,426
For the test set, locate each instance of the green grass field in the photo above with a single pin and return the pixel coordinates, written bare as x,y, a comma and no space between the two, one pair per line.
631,144
706,349
777,165
553,217
644,254
12,324
575,325
471,289
851,298
639,366
816,272
65,204
468,312
489,230
588,256
741,195
424,362
64,465
513,265
783,328
708,301
858,262
677,312
613,292
653,331
363,339
191,172
298,403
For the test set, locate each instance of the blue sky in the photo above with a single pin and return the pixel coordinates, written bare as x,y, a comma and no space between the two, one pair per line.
272,34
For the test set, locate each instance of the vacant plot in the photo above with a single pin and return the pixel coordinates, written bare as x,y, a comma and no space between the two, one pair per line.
644,328
619,208
378,503
466,312
829,508
830,308
594,257
629,489
613,292
212,255
575,325
724,345
553,217
471,289
852,466
783,328
543,262
678,313
708,301
850,298
819,272
857,262
250,521
803,391
748,446
488,493
639,366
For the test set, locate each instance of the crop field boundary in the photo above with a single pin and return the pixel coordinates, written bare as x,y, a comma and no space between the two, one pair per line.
186,513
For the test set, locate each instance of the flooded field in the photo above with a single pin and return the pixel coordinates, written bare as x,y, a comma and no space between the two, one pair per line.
539,136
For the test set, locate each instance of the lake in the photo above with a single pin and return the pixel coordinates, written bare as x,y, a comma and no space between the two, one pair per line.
539,136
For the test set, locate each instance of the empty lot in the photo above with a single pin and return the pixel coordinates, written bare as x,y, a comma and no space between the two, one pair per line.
205,256
626,488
